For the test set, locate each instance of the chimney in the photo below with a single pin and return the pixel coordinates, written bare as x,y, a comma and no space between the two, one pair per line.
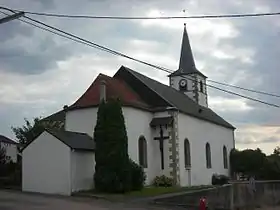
102,93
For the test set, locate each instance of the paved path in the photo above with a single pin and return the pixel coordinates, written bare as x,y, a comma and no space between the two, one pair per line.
12,200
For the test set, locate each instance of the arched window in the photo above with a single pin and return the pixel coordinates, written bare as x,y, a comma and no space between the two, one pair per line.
201,86
208,156
142,152
187,152
225,157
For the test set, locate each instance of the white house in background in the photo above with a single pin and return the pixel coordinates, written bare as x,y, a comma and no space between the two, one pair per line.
63,163
171,131
10,147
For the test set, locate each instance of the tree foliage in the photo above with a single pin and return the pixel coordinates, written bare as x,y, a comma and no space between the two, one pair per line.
255,162
276,151
114,171
2,155
111,170
30,130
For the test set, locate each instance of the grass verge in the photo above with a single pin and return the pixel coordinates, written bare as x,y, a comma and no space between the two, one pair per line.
144,193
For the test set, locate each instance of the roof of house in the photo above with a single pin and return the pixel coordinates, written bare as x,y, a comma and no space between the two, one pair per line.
158,94
6,140
115,88
74,140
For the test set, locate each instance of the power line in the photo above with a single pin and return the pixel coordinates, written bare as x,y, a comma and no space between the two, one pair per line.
48,30
92,44
151,18
247,89
229,85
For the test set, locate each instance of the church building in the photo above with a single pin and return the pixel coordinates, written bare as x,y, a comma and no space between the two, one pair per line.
171,131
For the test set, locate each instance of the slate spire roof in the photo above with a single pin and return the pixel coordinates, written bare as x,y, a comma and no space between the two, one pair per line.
187,63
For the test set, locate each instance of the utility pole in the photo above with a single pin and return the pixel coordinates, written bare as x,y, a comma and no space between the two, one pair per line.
11,17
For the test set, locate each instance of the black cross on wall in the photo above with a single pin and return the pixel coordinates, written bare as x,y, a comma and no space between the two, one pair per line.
161,138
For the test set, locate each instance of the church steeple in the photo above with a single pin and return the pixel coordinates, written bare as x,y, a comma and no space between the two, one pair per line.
187,78
187,64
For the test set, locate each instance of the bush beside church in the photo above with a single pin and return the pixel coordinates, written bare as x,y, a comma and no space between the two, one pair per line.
115,172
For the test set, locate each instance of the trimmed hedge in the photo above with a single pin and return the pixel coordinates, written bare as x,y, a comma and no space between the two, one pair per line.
219,179
162,181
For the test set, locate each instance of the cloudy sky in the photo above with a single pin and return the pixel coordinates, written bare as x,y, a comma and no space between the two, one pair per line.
40,72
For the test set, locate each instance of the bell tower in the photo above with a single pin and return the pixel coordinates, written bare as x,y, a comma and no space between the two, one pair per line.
187,78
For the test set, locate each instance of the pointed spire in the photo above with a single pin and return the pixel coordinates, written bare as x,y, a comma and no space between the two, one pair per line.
187,64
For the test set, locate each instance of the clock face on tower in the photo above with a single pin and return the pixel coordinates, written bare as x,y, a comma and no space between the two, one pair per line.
183,85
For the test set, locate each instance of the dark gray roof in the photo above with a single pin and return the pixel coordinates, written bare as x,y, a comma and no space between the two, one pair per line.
58,116
187,63
175,98
75,140
156,121
6,140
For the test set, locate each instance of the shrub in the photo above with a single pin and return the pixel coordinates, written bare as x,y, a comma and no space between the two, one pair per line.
163,181
138,176
219,179
112,168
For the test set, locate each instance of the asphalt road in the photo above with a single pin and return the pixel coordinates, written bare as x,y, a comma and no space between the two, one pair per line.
12,200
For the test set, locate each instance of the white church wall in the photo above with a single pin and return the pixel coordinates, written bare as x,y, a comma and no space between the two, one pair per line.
137,124
200,132
174,82
82,170
46,166
202,97
81,120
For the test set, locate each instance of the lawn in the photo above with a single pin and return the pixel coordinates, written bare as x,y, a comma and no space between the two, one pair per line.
154,191
144,193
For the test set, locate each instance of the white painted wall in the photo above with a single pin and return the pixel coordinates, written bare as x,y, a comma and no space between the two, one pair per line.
202,96
174,82
81,120
46,166
137,124
200,132
11,151
82,170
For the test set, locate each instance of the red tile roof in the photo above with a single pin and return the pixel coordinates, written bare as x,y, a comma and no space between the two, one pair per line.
115,88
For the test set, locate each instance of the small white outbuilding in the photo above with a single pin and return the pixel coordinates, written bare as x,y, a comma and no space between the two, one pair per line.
58,162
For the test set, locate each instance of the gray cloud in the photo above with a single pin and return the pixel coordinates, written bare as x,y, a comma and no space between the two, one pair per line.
263,141
27,51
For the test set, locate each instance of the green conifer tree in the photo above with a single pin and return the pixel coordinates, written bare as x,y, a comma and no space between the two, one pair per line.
112,170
